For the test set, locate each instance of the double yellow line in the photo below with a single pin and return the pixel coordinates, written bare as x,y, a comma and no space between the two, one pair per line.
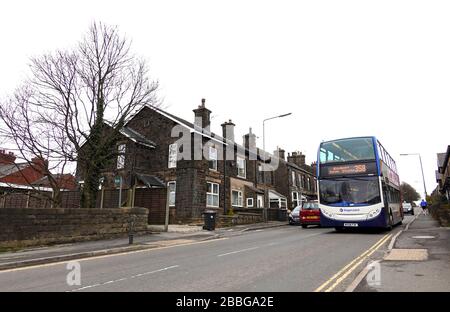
349,268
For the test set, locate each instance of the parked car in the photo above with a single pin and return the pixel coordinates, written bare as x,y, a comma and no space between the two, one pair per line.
294,216
408,208
310,214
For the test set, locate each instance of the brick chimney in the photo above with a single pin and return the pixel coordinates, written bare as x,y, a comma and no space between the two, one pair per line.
280,152
297,158
202,116
7,158
228,130
314,167
39,164
250,141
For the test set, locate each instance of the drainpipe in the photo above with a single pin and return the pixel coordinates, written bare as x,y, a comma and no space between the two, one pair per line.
224,179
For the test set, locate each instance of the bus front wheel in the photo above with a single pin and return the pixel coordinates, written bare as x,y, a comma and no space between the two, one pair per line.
390,221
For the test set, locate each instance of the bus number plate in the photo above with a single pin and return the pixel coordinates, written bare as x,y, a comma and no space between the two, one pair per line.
351,224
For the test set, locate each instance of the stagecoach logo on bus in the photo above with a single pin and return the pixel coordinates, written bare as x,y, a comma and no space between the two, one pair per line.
358,184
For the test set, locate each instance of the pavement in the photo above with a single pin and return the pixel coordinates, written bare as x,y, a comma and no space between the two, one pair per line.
418,262
176,234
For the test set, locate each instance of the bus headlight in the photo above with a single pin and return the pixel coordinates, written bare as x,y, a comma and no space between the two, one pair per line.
374,213
328,214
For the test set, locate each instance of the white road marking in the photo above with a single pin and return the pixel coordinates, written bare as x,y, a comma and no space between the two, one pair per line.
124,278
237,251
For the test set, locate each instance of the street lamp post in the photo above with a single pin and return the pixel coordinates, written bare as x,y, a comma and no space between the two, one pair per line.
264,128
421,168
264,150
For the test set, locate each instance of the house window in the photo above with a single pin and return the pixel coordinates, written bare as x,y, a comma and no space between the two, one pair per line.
212,158
121,156
249,202
260,176
241,167
236,198
171,186
173,150
309,184
293,179
212,194
295,199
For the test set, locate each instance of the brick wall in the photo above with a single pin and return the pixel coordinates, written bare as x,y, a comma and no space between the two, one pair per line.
32,227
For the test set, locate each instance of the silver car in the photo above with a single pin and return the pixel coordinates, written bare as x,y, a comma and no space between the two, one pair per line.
294,216
408,208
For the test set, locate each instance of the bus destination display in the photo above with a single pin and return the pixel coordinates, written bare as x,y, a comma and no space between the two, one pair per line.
350,169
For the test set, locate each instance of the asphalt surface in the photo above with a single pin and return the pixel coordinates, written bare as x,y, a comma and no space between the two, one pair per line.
286,258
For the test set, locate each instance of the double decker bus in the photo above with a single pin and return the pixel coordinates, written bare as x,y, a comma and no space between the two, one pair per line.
358,184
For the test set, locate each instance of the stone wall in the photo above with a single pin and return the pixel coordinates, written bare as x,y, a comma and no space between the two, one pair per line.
32,227
237,219
441,212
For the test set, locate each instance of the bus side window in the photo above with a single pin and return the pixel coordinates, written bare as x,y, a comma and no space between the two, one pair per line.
323,155
330,156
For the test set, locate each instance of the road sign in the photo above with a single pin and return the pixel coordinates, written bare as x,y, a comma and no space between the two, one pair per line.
117,180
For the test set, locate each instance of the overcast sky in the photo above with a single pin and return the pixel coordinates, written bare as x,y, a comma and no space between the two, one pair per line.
343,68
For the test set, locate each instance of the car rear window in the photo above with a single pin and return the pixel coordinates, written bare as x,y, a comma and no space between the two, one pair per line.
310,206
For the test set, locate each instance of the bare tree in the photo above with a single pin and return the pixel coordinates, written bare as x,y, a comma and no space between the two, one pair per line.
409,193
78,100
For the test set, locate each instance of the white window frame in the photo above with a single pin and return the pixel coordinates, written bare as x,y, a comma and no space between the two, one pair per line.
241,160
121,150
248,202
172,194
173,155
213,157
240,198
212,194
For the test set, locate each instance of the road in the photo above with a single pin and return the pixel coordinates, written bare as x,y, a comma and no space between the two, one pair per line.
286,258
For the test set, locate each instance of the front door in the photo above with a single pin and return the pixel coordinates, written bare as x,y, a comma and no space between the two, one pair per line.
260,201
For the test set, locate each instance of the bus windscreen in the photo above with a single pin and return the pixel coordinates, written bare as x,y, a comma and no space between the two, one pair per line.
350,191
